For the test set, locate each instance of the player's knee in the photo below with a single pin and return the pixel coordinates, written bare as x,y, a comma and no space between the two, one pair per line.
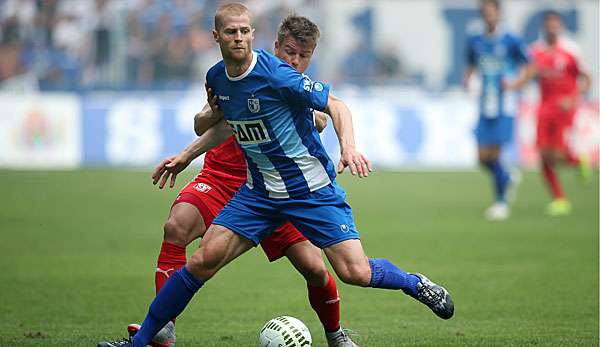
205,263
316,273
175,233
355,274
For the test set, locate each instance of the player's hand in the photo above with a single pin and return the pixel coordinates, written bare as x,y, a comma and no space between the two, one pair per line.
355,161
212,100
566,104
509,85
169,168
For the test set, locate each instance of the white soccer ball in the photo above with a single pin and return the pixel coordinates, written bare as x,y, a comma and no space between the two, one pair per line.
284,331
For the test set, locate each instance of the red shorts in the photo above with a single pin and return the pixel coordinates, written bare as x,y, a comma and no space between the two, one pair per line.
552,128
209,195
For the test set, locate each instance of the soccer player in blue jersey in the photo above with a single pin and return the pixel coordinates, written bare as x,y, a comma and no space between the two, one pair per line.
500,58
269,106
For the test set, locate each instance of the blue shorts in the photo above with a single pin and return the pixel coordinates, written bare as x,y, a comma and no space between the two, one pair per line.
494,131
322,216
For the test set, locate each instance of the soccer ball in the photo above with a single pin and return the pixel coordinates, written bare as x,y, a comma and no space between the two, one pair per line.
284,331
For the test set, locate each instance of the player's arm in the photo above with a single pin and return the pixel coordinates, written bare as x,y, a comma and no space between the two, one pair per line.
527,70
468,75
172,166
205,119
471,64
320,121
210,114
584,82
342,123
526,73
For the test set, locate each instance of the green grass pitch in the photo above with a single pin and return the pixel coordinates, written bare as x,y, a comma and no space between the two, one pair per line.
78,253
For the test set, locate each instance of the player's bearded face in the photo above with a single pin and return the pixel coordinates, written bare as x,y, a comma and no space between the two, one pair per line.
235,37
295,52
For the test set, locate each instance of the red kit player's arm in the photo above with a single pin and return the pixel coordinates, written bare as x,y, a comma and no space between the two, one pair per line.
172,166
320,121
585,81
205,119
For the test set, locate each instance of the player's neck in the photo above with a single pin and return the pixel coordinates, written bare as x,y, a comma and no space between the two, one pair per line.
552,41
491,29
236,68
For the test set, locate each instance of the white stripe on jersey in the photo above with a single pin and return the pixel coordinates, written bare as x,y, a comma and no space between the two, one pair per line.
313,171
274,184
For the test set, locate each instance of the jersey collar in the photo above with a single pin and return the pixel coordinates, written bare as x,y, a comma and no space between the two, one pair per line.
247,72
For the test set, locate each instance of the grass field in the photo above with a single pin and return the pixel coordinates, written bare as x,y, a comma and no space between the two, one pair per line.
78,255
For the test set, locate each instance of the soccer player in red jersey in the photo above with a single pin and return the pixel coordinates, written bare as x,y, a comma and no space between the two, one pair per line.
223,173
562,77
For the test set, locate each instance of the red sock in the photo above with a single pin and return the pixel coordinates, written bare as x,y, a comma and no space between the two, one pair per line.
171,258
326,302
552,180
571,158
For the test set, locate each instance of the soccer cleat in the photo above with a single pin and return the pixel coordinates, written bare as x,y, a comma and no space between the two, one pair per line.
164,338
585,168
121,343
499,211
559,207
435,297
339,338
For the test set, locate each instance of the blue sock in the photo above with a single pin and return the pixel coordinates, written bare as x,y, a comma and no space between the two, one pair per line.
386,275
501,179
170,302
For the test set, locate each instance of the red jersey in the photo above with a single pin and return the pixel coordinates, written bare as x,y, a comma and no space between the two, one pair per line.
227,163
558,68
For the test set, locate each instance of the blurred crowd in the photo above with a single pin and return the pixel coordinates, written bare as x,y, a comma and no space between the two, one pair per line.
132,44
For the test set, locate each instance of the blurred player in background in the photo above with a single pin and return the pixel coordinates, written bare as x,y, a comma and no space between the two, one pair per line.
290,177
499,57
562,78
223,174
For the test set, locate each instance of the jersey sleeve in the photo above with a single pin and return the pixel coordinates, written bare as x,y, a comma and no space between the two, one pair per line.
520,51
573,49
298,89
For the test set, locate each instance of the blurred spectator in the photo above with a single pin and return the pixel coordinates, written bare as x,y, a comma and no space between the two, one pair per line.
81,44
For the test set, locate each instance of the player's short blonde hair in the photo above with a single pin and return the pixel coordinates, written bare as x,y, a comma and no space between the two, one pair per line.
233,9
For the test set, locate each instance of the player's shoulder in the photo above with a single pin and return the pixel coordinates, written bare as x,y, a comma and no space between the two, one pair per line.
215,70
570,46
275,69
270,62
511,38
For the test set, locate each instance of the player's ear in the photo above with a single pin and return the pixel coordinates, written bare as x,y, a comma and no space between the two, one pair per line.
276,50
215,35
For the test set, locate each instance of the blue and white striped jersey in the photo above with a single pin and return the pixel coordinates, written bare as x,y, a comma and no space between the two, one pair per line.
270,109
496,57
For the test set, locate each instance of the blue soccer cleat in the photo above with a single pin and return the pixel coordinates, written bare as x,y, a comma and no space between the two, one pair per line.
435,297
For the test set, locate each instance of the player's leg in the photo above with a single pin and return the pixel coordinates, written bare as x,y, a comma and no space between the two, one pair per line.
219,246
549,141
241,224
491,134
559,205
326,219
322,289
185,224
353,267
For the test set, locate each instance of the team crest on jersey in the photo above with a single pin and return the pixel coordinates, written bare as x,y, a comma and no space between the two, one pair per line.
254,105
202,187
